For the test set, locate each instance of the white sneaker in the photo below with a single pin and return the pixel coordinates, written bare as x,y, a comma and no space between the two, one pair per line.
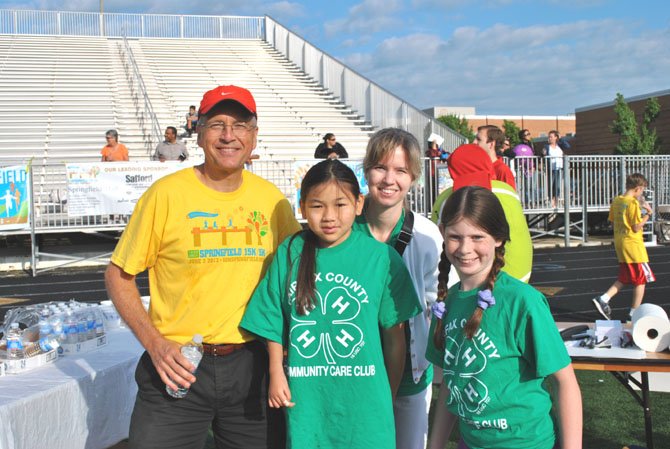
602,307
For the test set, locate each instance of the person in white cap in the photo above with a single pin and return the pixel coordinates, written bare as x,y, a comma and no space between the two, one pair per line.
205,234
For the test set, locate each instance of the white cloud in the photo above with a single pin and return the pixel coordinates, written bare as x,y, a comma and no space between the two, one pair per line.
365,18
532,70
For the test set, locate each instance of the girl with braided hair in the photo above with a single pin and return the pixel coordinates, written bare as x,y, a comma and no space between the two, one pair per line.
497,343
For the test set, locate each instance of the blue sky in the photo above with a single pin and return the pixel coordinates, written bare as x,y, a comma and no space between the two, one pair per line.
503,57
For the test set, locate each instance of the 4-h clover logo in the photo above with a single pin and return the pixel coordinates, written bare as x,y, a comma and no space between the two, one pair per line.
468,360
328,327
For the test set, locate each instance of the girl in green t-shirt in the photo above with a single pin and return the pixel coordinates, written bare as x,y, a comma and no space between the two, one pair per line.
497,342
324,299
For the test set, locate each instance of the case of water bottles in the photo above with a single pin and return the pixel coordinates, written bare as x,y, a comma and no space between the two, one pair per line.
38,334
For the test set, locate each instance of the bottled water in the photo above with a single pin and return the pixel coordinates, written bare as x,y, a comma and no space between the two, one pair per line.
46,340
90,324
99,325
82,325
56,323
14,343
70,328
193,352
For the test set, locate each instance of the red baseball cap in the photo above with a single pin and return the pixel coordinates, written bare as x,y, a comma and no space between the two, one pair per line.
224,93
470,165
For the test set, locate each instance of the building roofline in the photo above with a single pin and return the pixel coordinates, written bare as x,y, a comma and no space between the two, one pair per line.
660,93
519,117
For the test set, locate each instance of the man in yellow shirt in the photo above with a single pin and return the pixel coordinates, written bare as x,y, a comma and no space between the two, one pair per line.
206,234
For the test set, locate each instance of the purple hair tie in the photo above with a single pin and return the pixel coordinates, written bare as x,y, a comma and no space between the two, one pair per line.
486,299
438,308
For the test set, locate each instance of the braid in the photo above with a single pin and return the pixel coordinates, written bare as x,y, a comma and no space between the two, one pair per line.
443,275
475,320
442,288
304,296
289,263
498,263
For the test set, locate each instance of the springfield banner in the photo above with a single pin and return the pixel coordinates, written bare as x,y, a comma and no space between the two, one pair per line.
14,198
101,188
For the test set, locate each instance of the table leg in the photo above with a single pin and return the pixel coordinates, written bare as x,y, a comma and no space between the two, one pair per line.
644,376
642,397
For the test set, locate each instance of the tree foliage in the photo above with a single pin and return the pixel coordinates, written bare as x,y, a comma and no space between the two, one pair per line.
511,131
635,138
458,124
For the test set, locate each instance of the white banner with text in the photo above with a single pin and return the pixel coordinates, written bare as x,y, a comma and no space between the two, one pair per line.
101,188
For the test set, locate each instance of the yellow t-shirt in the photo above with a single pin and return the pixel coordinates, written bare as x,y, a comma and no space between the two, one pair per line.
205,250
629,245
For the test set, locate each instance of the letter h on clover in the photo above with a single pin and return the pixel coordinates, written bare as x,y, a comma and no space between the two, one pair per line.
328,328
464,361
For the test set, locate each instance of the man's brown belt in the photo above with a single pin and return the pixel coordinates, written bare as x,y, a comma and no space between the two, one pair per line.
221,350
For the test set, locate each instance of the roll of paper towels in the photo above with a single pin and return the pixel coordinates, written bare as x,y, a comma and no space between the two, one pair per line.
651,328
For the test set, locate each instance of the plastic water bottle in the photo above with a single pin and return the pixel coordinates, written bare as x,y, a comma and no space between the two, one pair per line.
70,328
193,352
90,324
82,325
56,323
99,325
46,340
14,342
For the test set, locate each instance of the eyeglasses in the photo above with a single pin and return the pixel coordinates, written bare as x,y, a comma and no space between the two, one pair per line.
239,129
527,135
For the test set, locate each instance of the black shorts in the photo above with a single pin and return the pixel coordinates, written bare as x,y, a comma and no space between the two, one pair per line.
229,394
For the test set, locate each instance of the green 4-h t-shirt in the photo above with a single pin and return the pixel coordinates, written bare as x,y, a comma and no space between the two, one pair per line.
496,379
335,363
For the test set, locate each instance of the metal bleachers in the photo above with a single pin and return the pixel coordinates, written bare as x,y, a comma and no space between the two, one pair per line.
294,111
54,96
59,94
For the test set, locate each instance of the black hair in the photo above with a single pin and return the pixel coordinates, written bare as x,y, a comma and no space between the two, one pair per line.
329,170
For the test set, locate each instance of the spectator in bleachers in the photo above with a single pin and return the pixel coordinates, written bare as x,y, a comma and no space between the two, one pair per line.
113,151
191,121
330,148
170,149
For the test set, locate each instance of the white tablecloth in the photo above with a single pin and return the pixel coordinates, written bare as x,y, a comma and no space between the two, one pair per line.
76,402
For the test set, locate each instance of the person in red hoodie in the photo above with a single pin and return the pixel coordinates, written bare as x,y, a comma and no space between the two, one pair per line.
469,166
491,138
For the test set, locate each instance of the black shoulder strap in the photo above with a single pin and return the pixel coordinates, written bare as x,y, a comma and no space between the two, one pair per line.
405,235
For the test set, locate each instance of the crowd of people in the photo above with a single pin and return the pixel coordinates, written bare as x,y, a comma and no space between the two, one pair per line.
326,335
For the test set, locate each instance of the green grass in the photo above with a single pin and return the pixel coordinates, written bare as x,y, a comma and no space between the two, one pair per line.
612,417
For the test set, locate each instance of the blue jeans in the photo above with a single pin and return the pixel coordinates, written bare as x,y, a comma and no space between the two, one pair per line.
556,182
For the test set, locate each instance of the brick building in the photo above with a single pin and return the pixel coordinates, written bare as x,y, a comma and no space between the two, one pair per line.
593,124
538,125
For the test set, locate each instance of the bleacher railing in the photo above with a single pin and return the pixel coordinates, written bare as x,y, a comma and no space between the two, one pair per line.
70,23
376,105
145,111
